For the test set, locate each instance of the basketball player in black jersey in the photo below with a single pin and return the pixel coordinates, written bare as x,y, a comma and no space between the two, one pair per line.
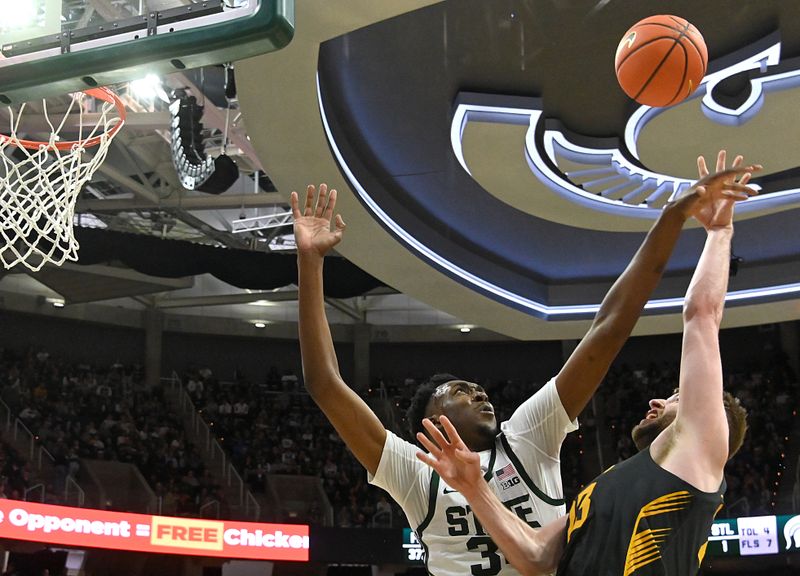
650,514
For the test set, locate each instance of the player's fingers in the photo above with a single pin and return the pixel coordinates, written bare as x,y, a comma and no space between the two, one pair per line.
309,207
735,195
734,187
452,433
340,225
745,179
328,213
730,174
737,161
322,200
742,169
427,459
740,193
435,434
721,156
427,444
702,168
295,206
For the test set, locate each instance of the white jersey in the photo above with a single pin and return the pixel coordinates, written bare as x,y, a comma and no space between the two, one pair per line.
522,468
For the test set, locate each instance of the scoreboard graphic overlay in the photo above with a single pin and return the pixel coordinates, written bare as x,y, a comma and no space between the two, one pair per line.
755,536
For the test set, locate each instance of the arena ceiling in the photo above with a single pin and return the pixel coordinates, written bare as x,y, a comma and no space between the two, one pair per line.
491,172
484,149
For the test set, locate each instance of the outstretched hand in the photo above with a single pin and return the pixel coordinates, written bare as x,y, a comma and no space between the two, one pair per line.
457,465
711,200
312,228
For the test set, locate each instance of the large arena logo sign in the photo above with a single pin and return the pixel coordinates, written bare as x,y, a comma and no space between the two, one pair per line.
144,533
609,177
613,179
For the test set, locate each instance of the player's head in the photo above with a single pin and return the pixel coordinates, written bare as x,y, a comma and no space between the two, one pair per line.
464,403
662,413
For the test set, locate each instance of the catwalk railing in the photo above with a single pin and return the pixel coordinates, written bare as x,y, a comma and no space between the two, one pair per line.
20,436
212,450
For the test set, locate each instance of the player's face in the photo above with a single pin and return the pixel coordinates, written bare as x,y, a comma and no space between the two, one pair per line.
660,415
468,408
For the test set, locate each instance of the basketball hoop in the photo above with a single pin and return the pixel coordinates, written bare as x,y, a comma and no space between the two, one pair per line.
40,181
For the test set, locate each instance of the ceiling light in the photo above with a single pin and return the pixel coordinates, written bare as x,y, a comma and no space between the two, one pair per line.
148,88
260,324
18,14
465,329
56,302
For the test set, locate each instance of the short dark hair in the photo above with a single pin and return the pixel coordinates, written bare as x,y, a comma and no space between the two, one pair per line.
419,403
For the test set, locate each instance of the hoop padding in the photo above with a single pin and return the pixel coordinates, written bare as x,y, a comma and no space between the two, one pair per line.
40,181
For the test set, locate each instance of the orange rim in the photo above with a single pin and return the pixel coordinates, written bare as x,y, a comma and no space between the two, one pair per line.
102,93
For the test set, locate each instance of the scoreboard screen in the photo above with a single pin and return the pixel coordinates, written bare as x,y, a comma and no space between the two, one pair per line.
754,536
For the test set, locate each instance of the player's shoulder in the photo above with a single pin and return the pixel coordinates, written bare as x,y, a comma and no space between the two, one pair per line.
399,445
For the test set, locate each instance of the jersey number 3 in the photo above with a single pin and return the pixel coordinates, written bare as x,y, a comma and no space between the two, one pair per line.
488,550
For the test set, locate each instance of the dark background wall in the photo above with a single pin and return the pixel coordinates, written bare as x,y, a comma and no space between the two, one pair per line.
78,341
224,354
520,361
523,361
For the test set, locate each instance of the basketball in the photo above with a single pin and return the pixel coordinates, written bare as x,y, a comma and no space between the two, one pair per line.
661,60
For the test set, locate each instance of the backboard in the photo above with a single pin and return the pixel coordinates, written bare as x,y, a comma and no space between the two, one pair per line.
50,47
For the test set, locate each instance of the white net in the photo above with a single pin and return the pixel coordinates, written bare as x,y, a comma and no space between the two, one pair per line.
40,183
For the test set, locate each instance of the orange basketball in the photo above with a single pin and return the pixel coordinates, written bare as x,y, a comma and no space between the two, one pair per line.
661,60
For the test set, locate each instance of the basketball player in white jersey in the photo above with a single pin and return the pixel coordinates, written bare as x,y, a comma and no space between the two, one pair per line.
520,459
649,515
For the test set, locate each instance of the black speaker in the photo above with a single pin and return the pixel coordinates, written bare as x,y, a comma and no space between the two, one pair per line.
224,175
196,170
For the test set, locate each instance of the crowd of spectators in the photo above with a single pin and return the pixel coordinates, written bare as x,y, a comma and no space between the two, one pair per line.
769,392
15,473
81,411
275,428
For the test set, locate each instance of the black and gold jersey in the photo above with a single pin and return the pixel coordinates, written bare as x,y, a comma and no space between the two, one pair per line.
637,519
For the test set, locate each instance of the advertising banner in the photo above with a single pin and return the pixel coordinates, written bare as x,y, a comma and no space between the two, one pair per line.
85,527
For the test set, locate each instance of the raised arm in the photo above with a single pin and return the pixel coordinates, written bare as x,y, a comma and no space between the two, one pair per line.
701,425
532,551
624,302
357,425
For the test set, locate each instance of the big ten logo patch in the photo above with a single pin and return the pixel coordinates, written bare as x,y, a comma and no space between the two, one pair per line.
513,481
507,477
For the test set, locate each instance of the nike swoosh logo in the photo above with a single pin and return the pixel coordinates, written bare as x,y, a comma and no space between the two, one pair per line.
448,491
